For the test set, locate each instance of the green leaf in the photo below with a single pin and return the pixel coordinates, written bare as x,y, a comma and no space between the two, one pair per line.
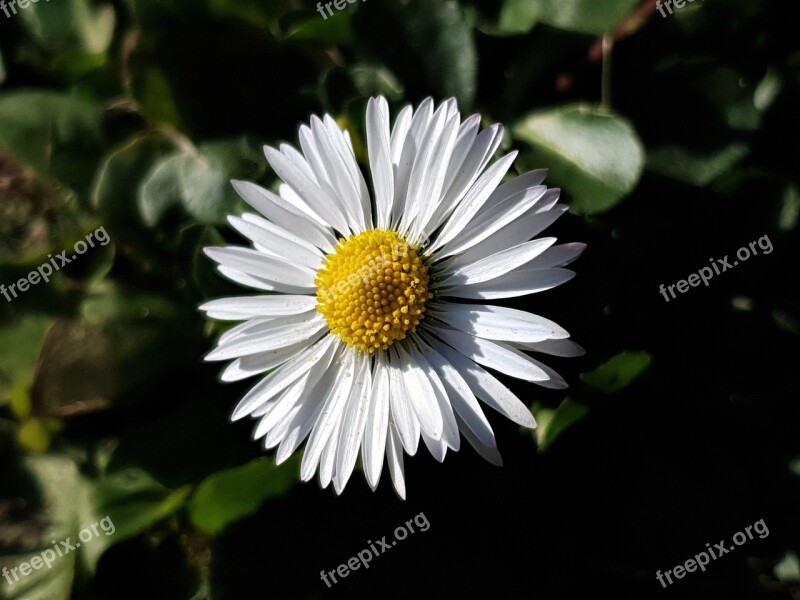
333,31
199,182
161,189
19,346
256,12
435,41
35,435
594,155
518,16
695,167
790,209
135,502
788,569
59,135
552,423
60,494
114,195
93,361
154,93
582,16
234,494
376,80
618,373
70,24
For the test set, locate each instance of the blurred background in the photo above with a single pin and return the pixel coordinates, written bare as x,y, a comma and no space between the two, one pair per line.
675,138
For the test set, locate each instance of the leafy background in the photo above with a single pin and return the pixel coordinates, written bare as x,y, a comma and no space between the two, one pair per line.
680,428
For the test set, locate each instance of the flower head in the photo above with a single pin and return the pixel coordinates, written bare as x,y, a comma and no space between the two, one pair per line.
360,326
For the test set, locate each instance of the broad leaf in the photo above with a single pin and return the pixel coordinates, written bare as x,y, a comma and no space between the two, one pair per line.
231,495
59,135
552,423
582,16
77,25
618,373
596,156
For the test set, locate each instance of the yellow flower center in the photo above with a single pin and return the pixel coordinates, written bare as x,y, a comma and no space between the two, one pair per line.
372,289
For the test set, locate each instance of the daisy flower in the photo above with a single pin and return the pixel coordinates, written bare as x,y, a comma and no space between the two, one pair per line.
361,324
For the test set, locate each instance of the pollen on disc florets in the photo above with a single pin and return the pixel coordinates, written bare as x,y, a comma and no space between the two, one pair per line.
372,289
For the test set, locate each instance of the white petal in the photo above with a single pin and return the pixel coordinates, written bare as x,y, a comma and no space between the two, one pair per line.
399,132
495,265
450,436
420,163
380,159
437,448
554,381
280,406
256,364
327,460
305,415
278,434
319,203
434,180
259,324
332,408
482,226
394,454
412,146
496,355
402,413
344,147
557,256
565,348
374,446
420,395
279,336
517,283
487,452
299,161
513,234
428,174
497,322
291,278
266,306
276,241
353,425
520,183
473,200
467,133
461,398
311,152
343,185
486,387
293,199
479,155
285,215
277,381
246,280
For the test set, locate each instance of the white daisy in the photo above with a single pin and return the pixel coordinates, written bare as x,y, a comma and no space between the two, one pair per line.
361,329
